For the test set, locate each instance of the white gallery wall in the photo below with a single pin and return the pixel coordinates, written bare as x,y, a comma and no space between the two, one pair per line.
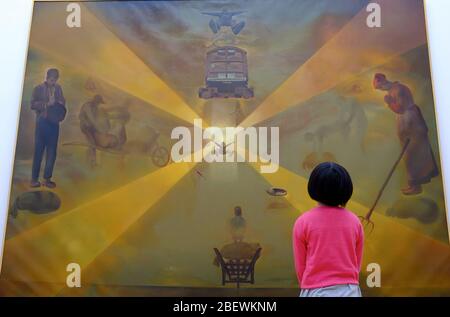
15,20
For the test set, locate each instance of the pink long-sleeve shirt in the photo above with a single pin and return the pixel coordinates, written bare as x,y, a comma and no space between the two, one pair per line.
328,245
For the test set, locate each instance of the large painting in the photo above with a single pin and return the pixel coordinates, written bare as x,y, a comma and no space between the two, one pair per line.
158,141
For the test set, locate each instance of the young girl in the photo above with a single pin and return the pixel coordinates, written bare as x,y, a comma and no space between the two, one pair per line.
328,239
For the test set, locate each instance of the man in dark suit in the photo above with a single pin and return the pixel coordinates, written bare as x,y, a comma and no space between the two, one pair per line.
49,104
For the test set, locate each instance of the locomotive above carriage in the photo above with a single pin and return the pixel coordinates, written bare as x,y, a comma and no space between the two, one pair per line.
226,74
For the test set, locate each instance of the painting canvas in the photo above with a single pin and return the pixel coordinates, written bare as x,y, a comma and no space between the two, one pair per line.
96,186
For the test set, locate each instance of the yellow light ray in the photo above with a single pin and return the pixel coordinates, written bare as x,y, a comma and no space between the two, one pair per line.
407,258
80,235
99,52
354,49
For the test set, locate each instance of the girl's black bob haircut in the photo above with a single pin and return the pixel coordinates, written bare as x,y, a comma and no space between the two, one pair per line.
330,184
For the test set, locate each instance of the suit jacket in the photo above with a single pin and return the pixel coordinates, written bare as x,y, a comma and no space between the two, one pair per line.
41,96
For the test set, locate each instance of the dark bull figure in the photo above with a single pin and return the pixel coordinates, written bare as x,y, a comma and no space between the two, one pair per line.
37,202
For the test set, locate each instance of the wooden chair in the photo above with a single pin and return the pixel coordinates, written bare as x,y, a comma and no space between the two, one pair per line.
238,271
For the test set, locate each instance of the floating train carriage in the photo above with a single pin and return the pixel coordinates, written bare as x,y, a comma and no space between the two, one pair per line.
226,74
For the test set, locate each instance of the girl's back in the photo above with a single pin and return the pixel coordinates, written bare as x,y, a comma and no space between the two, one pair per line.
330,239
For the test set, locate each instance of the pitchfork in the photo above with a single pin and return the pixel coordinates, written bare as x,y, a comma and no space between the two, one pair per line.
366,220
